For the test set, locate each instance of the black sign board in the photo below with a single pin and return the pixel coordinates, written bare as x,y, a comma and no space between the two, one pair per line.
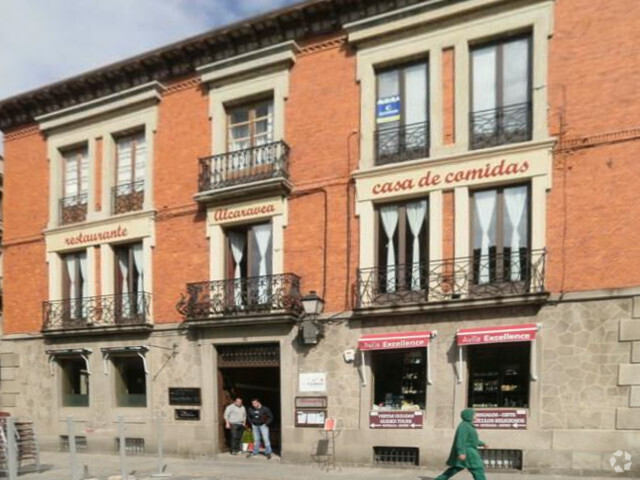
184,396
187,414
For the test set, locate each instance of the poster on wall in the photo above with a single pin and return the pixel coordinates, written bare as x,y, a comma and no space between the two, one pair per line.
312,382
388,109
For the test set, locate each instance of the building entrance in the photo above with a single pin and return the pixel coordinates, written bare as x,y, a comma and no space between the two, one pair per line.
250,371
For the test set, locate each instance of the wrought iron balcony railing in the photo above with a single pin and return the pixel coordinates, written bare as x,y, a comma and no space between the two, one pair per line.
244,296
400,143
100,311
127,197
477,277
73,209
501,126
244,166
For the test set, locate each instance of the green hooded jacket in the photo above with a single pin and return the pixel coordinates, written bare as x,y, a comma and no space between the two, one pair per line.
466,442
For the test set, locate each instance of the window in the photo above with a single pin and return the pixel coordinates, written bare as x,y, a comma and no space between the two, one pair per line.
75,284
403,246
499,375
131,381
250,126
75,185
131,301
249,264
501,93
501,228
131,154
402,113
75,382
400,379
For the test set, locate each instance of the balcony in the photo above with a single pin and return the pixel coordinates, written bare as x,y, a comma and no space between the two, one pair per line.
250,300
123,312
402,143
500,126
461,283
73,209
257,170
127,197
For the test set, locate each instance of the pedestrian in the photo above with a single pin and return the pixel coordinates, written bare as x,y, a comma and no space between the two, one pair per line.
235,417
260,418
464,451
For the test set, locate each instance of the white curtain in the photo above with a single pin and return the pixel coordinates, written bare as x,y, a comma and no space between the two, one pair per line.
141,160
70,262
483,87
263,239
123,263
125,153
237,241
138,260
82,259
389,216
485,203
416,212
515,200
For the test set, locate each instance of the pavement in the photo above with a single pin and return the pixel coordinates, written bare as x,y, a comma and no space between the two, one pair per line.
56,466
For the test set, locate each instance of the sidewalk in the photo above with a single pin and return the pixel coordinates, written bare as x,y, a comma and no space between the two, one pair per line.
55,466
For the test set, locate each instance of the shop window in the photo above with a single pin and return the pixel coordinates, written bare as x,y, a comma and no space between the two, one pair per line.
249,265
499,375
131,381
75,382
131,301
501,228
75,285
402,113
403,248
75,185
501,92
400,379
131,156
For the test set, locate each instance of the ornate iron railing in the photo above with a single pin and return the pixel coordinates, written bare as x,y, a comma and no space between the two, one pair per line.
501,126
101,311
244,166
250,295
127,197
476,277
73,209
400,143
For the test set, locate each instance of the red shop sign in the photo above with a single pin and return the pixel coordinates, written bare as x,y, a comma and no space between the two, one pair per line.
396,419
504,334
394,341
501,419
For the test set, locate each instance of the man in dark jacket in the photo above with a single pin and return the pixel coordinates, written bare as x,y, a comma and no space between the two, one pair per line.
464,452
260,417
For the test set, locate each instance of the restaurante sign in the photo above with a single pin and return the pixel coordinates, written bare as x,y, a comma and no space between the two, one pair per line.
95,237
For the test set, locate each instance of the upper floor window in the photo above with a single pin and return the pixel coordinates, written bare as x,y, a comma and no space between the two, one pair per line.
249,264
501,252
131,156
402,115
403,247
131,301
75,185
250,125
501,93
75,284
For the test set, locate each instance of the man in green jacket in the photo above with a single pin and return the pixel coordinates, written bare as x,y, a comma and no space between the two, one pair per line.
464,452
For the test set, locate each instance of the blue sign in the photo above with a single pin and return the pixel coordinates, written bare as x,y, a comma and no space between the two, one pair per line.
388,109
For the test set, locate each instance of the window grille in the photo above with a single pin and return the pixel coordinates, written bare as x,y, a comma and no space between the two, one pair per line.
502,459
132,446
81,443
266,355
396,456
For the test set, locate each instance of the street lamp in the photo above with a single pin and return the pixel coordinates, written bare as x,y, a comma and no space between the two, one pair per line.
312,304
310,331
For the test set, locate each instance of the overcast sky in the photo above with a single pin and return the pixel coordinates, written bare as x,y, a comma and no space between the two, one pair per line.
42,41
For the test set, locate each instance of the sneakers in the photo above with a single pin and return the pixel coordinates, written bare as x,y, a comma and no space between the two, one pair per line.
251,454
268,456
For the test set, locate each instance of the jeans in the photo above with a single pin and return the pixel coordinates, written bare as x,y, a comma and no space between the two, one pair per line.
237,429
477,473
258,432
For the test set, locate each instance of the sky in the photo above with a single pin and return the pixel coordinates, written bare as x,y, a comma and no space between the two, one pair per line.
42,41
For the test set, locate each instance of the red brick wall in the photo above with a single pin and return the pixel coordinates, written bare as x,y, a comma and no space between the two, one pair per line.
448,96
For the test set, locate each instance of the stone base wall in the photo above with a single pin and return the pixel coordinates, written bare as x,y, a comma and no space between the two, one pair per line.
584,405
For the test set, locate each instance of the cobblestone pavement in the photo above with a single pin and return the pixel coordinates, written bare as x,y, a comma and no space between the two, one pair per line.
56,466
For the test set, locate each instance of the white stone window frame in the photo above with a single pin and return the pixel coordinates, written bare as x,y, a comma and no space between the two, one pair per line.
375,52
83,124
